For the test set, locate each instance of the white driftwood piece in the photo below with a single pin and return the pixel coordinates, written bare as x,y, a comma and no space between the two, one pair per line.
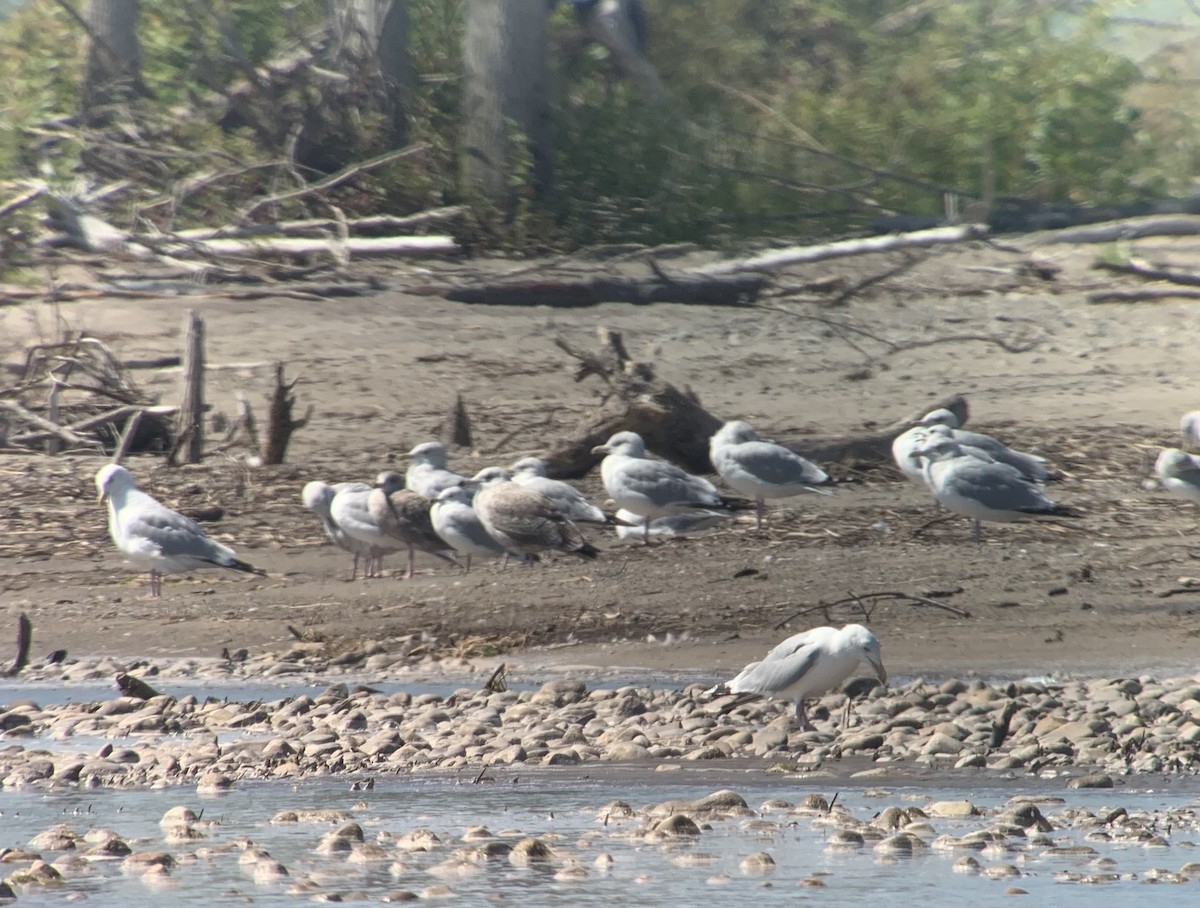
301,246
799,255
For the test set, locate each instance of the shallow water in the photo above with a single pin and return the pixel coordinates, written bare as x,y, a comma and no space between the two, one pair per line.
563,809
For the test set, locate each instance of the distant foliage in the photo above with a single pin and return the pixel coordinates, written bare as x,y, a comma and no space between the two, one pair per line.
790,116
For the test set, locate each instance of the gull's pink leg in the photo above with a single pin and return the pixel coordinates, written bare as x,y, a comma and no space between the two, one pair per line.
758,515
646,532
408,574
802,716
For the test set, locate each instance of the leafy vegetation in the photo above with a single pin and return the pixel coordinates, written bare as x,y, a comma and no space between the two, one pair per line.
789,116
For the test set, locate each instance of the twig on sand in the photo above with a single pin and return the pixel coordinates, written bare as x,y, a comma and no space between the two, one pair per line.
861,599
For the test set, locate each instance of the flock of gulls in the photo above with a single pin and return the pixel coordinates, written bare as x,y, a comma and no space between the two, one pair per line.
520,513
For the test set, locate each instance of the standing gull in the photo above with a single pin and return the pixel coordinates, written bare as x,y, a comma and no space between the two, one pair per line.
318,496
1179,473
155,538
1031,466
427,474
455,521
351,513
808,664
402,514
983,490
760,469
653,488
530,472
523,520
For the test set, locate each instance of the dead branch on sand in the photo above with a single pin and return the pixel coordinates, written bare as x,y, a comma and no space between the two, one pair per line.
674,423
24,642
862,600
593,289
1127,229
1149,295
799,255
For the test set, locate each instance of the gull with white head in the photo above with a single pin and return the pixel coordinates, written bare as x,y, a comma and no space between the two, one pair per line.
427,474
155,538
760,469
981,489
351,512
808,664
530,472
1032,466
654,488
1189,428
1179,473
318,497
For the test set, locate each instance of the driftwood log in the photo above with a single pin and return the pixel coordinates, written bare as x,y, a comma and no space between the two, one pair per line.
676,426
874,449
740,290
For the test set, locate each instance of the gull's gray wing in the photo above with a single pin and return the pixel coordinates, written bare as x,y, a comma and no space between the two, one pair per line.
775,674
666,484
997,486
151,525
775,464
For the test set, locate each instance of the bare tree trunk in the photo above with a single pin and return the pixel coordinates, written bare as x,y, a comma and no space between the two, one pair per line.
507,81
617,25
379,29
190,437
113,68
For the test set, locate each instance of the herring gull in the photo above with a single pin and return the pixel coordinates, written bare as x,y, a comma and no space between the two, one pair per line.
427,474
403,515
1032,466
155,538
1179,473
808,664
760,469
523,520
1189,427
318,497
455,521
351,513
653,488
530,472
982,489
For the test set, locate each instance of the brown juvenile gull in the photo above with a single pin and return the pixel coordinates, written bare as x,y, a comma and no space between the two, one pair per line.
455,521
760,469
523,520
981,489
427,474
808,664
402,514
318,497
530,472
155,538
654,488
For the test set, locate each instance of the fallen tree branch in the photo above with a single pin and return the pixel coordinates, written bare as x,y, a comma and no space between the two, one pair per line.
799,255
51,429
1127,229
305,246
1150,294
289,228
861,599
1150,272
333,180
590,291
